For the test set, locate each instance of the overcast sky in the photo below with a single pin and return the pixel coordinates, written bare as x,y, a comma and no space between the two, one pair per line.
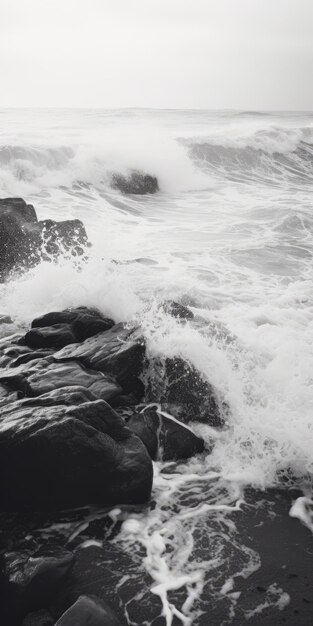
244,54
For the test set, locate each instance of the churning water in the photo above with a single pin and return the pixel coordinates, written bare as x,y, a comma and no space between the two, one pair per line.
230,233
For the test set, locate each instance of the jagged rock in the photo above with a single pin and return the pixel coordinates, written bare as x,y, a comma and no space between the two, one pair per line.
164,437
72,395
88,610
135,182
10,349
183,392
31,355
8,395
59,457
43,375
24,240
119,351
64,236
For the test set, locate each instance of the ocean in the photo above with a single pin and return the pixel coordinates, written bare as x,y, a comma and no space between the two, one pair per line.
230,234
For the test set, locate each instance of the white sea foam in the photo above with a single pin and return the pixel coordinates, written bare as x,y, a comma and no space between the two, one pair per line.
239,254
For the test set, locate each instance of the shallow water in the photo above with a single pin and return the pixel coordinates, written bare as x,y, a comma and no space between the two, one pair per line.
230,234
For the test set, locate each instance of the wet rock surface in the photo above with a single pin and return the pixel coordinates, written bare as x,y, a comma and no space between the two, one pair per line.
135,183
119,351
184,393
76,430
88,610
165,437
61,443
24,240
59,456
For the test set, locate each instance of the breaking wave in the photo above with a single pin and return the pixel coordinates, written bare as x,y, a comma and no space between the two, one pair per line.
240,255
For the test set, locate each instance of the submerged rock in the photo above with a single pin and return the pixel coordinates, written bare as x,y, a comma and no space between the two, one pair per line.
135,183
88,610
24,240
5,319
164,437
177,310
63,456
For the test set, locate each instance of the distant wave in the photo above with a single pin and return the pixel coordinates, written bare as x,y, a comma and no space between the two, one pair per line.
273,155
270,155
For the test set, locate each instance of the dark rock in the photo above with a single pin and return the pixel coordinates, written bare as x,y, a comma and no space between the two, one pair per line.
31,355
5,319
115,576
41,376
10,349
88,610
69,326
8,596
164,437
39,618
24,240
135,182
59,456
72,395
119,351
8,395
66,236
56,336
184,393
37,579
177,310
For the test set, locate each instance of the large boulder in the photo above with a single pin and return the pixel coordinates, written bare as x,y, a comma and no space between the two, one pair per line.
58,329
135,183
184,392
56,336
164,437
119,351
24,240
63,456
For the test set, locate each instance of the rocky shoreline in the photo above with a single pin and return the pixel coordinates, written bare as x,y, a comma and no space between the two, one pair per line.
79,431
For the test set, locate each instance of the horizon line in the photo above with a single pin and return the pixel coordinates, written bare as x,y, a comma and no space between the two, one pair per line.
143,108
